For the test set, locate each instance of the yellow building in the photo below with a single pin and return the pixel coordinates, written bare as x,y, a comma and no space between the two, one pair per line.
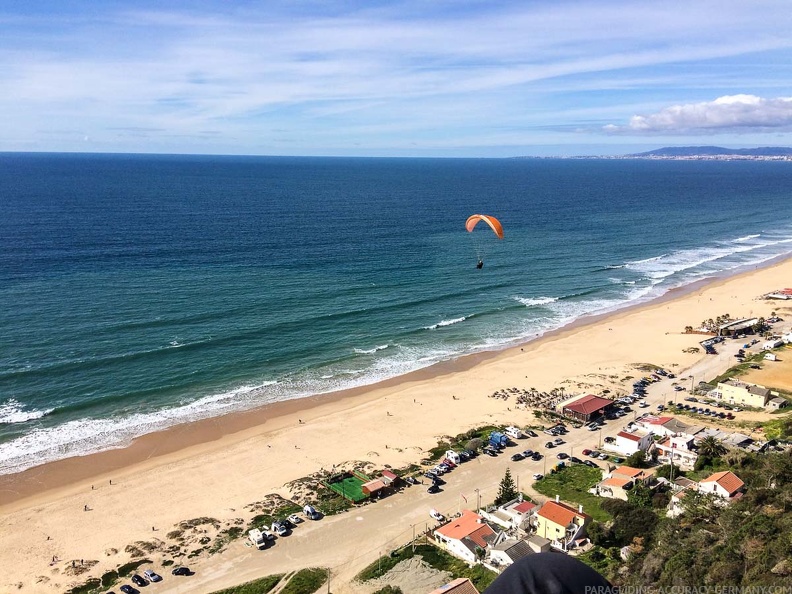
742,394
561,524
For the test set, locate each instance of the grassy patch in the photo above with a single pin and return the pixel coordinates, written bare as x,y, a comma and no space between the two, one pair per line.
306,581
259,586
571,484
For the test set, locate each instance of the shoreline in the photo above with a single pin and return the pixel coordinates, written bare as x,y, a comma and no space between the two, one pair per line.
94,507
58,474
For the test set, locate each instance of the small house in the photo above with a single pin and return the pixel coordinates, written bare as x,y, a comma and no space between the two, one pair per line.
463,535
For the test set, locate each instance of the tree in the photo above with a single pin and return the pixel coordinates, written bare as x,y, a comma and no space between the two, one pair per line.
711,447
474,444
636,460
665,471
640,495
507,490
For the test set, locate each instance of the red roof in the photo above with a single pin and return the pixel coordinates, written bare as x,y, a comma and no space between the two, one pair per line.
630,436
653,420
468,524
726,479
560,514
588,404
524,507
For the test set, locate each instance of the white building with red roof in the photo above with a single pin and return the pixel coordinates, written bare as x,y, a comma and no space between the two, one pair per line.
463,535
724,484
513,514
629,442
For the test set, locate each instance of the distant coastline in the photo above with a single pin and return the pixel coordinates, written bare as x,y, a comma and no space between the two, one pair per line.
697,153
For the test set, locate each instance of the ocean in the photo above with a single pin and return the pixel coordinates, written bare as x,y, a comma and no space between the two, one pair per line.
138,292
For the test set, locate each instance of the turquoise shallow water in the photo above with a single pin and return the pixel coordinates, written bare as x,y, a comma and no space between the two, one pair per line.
138,292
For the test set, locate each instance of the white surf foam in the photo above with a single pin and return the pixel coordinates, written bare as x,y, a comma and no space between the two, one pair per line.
13,411
746,238
381,347
443,323
532,301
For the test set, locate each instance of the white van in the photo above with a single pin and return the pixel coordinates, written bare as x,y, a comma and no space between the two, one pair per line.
514,432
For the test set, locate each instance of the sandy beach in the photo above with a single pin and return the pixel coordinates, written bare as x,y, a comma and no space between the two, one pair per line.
90,508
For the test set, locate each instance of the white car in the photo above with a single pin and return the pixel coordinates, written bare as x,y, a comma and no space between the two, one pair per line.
643,404
538,476
152,576
437,515
294,519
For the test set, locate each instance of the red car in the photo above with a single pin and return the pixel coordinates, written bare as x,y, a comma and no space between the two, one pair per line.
586,452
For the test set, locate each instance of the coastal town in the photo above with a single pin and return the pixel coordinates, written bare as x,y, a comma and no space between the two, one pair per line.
660,440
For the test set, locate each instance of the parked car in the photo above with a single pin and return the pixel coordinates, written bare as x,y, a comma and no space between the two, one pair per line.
279,529
593,453
433,488
127,589
436,515
590,463
575,460
528,453
603,456
532,433
562,456
138,580
536,456
549,444
491,452
558,441
517,457
181,571
586,452
295,519
538,476
618,460
152,576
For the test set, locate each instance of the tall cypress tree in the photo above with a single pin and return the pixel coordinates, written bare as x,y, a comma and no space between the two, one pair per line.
507,490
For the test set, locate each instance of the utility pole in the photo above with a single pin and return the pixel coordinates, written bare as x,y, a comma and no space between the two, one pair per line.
478,500
413,538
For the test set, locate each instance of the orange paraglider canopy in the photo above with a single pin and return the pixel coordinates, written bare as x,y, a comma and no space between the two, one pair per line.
491,221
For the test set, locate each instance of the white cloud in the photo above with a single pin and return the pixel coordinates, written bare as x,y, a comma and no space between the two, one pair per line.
727,114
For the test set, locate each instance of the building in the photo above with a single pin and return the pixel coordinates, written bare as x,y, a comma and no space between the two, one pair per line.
739,393
507,552
458,586
744,326
561,524
510,515
629,442
586,408
463,535
617,483
677,449
776,403
724,484
675,505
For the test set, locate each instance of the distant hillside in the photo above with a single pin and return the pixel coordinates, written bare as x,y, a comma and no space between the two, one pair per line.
697,151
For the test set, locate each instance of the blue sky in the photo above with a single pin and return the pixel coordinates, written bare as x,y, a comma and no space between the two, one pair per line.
411,78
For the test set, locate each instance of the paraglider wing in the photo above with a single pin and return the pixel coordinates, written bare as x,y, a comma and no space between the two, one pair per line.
491,221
